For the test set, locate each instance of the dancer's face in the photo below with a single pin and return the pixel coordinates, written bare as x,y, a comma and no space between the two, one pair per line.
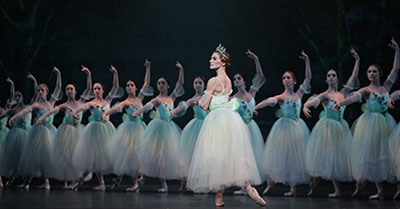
70,91
198,84
287,80
238,80
42,91
216,62
18,97
130,87
373,73
162,85
98,90
331,77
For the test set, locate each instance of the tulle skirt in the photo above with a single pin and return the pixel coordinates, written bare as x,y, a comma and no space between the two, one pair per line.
223,155
257,142
13,146
186,144
65,142
328,150
3,134
123,151
36,154
394,141
158,150
92,151
284,155
370,158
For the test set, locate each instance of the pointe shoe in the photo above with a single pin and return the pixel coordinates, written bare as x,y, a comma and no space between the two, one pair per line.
100,187
218,201
290,194
162,190
377,196
240,192
397,193
44,186
135,188
310,192
113,186
334,195
253,194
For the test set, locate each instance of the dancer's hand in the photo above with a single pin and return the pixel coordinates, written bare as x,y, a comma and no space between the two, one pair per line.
393,44
39,121
179,65
11,121
336,107
105,117
113,69
75,116
147,63
391,103
303,55
134,114
9,81
30,76
85,69
354,54
251,55
255,111
56,70
307,112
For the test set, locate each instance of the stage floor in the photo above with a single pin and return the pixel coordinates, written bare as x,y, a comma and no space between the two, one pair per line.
148,198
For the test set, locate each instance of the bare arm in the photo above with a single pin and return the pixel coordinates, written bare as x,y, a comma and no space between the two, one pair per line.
57,89
26,110
313,102
393,97
396,64
259,78
306,83
207,96
356,97
115,108
115,87
10,101
53,111
83,108
146,83
35,87
178,91
353,80
86,93
149,106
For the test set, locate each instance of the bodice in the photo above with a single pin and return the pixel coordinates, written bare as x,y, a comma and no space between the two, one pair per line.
377,102
245,110
291,109
199,113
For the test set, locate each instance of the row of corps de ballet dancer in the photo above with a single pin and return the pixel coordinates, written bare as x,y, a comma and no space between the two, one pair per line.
289,113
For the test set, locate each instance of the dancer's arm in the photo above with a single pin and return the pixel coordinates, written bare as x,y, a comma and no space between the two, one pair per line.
313,102
259,78
205,100
305,86
51,112
396,65
85,95
270,102
24,111
114,109
35,88
178,91
114,89
147,107
353,82
356,97
146,88
57,90
393,97
10,100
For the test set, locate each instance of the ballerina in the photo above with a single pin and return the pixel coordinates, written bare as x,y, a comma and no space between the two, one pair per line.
394,143
36,155
123,151
328,148
223,155
92,151
191,131
158,150
284,155
68,133
247,103
369,155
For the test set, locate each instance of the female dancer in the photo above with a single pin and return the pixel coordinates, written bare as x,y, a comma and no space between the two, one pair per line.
394,143
36,154
68,133
91,152
17,136
369,154
247,103
123,146
223,155
158,150
191,131
284,153
327,154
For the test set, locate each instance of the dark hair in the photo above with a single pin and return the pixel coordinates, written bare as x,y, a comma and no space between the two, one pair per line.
225,58
163,78
291,74
71,84
337,74
201,77
244,78
102,86
131,81
377,67
45,86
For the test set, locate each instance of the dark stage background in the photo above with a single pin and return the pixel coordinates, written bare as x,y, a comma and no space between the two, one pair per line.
36,35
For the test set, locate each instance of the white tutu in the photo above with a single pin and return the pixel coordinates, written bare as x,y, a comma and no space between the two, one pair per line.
257,142
394,142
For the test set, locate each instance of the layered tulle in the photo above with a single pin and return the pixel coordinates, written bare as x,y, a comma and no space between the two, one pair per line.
36,155
92,151
158,150
370,159
257,142
13,146
123,152
65,142
328,150
284,155
394,142
223,155
187,143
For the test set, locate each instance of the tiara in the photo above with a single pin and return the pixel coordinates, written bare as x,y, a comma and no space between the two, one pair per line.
221,50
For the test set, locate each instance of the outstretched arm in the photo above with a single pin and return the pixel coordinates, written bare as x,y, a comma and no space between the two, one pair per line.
353,81
115,108
396,65
259,78
146,84
178,91
83,108
268,102
356,97
88,90
10,100
393,97
35,88
51,112
313,102
57,89
115,87
24,111
305,86
149,106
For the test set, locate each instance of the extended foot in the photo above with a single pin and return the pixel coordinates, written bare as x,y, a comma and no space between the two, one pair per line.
44,186
377,196
218,201
359,187
334,195
162,190
290,194
100,187
397,193
114,186
270,184
253,194
134,188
